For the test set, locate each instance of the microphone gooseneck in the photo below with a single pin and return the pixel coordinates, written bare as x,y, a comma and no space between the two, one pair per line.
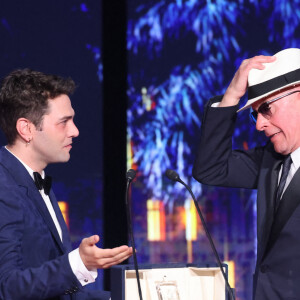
173,175
130,175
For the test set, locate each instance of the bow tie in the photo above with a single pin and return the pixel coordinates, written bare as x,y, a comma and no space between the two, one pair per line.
42,183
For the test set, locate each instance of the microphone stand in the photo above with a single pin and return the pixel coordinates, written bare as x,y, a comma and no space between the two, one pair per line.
175,177
130,176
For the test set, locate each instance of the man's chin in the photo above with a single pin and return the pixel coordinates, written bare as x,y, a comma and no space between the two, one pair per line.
63,158
280,149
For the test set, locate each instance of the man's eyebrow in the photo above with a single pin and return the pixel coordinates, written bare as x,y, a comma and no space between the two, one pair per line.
66,118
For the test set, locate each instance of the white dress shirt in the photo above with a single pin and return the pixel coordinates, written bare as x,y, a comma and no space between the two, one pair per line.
294,167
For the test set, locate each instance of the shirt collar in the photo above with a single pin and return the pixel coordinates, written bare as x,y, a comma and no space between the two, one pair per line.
29,170
296,158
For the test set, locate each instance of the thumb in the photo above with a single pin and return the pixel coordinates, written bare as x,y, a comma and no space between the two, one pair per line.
91,241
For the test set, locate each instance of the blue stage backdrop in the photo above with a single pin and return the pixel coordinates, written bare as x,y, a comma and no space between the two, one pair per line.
64,37
181,53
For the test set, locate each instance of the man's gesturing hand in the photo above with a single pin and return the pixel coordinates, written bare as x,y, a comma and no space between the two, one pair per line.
239,83
94,257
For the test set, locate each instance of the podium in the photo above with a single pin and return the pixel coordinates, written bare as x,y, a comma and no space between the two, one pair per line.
169,281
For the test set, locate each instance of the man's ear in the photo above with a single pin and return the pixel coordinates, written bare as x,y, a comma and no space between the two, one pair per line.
25,129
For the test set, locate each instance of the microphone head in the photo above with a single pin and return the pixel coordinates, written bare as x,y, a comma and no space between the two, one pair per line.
130,175
173,175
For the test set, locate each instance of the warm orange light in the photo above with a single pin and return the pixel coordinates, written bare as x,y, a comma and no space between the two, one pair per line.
64,207
129,153
156,220
231,272
146,98
190,220
129,149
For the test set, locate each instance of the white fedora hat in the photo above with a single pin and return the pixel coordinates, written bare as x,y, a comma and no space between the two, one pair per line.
277,75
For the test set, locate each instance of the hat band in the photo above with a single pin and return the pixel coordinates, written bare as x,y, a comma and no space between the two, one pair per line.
273,84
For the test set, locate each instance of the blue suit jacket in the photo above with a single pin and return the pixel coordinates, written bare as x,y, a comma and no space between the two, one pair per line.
33,261
277,274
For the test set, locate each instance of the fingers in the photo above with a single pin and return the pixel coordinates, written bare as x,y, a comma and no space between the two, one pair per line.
111,257
239,83
256,62
106,253
94,257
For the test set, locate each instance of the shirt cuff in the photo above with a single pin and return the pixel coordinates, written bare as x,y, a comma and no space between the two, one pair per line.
216,104
80,271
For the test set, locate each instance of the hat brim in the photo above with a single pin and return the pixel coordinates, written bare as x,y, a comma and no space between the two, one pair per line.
253,100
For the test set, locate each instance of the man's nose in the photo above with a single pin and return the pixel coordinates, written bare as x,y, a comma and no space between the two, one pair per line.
74,130
261,122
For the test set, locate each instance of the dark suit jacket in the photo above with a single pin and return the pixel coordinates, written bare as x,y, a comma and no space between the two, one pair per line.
277,274
34,262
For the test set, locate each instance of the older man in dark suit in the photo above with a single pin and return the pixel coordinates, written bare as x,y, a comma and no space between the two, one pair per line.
36,258
273,85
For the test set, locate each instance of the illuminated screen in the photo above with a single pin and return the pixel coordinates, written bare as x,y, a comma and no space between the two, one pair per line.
180,54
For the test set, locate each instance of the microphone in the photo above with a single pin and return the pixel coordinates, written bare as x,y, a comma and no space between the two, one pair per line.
130,175
173,175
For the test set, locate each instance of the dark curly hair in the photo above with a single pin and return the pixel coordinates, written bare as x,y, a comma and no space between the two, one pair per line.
24,94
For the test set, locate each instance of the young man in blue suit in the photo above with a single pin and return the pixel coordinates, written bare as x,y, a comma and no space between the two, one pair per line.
36,258
273,86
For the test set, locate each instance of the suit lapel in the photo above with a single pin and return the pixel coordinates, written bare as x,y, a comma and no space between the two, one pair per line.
36,197
289,202
265,205
65,232
23,179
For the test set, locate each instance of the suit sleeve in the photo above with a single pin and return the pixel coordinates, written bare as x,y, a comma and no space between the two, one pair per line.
216,162
50,279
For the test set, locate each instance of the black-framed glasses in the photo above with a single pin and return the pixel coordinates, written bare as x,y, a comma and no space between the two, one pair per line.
265,109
